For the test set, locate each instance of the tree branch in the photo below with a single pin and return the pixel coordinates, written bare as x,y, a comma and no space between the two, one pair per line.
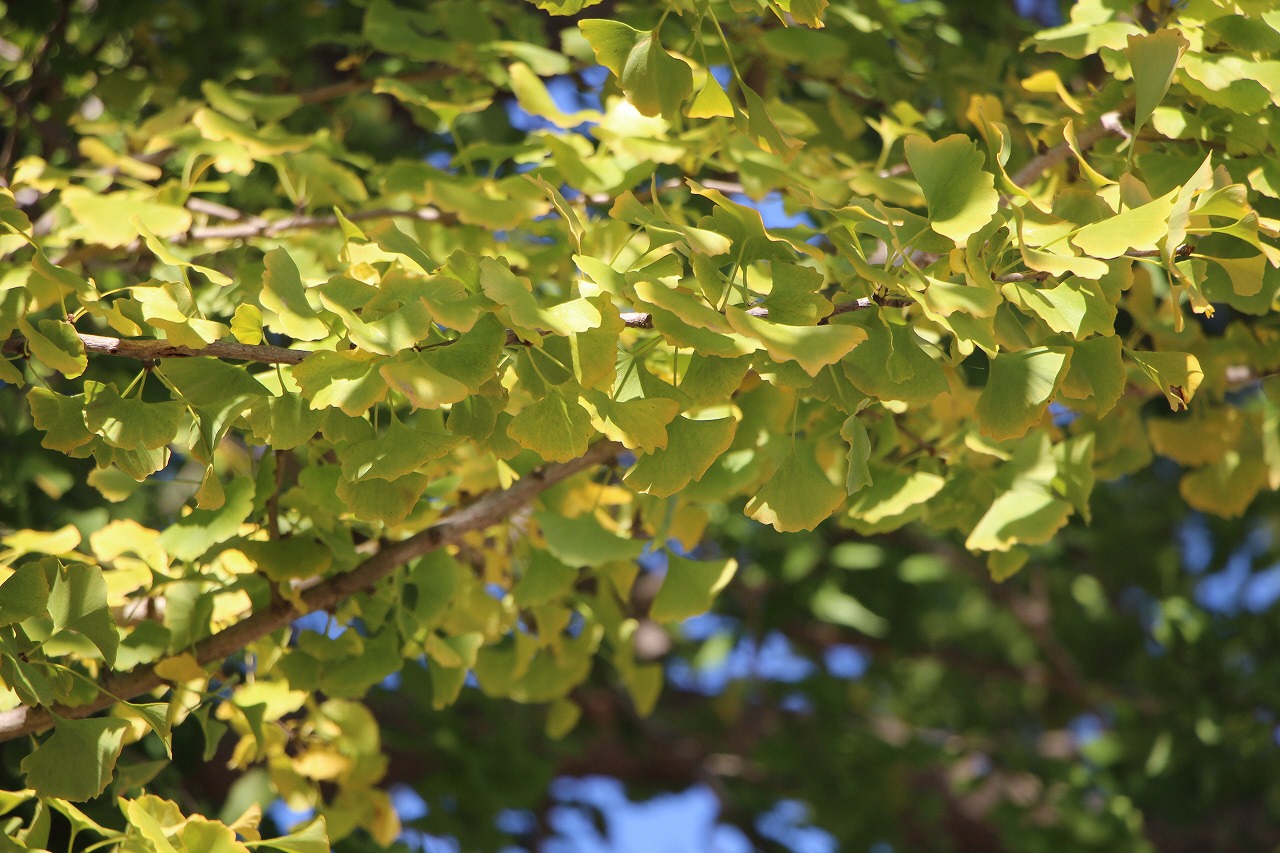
492,508
152,350
1087,138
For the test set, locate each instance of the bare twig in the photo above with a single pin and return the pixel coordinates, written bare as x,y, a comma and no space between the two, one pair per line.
493,508
1020,276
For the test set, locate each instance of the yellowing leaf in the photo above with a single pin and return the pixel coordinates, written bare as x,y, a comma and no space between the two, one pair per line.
533,97
285,296
106,217
639,423
812,347
1019,517
1177,374
1227,487
1139,228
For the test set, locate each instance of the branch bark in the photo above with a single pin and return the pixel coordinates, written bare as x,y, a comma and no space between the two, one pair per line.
490,509
1087,138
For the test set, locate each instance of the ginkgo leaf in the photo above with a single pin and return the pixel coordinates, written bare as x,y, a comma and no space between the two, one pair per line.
689,587
1019,389
1154,59
1096,371
1177,374
1139,227
557,427
77,761
958,191
56,343
812,347
1227,487
78,601
285,297
25,593
545,579
401,450
798,496
129,422
639,423
1019,517
388,502
655,81
581,541
859,452
60,417
692,446
350,380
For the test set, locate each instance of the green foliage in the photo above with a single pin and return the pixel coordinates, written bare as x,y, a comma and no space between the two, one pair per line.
297,318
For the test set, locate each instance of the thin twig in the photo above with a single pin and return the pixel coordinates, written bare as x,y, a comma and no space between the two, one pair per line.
493,508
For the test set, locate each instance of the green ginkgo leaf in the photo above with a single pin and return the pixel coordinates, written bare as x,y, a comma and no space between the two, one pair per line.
401,450
655,81
25,593
689,587
581,541
78,602
798,496
77,761
285,297
1140,227
958,191
129,422
57,344
1096,372
388,502
557,427
1154,59
639,423
1019,389
692,446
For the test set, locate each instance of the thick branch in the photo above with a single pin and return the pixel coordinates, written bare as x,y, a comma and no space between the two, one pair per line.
489,510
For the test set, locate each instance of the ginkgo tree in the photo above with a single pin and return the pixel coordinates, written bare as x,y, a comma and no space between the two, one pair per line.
379,322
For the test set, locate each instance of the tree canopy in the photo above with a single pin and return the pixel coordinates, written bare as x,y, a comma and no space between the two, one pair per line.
379,368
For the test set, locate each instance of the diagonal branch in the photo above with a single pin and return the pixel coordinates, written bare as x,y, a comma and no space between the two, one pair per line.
1087,138
489,510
